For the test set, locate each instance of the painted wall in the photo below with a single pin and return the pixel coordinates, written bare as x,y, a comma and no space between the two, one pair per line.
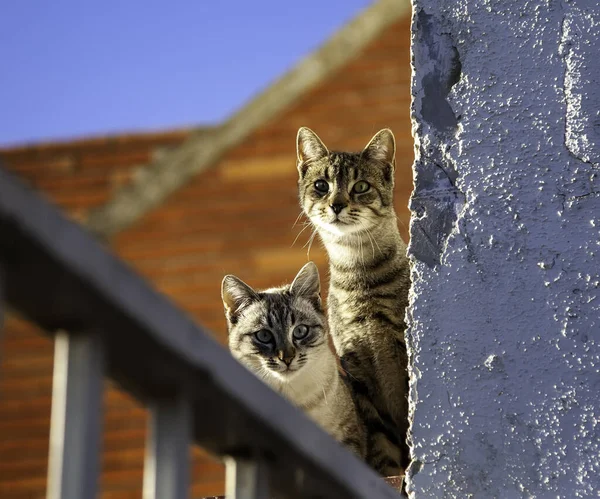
505,314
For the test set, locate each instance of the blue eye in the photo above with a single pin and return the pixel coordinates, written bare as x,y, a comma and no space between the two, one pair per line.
300,332
322,187
264,336
361,187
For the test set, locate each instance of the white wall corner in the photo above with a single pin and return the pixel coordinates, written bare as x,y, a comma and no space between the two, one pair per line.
504,320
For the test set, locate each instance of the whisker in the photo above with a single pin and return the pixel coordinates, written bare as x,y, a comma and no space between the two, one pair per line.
305,227
263,373
362,253
310,238
310,241
346,371
297,218
349,374
403,225
373,241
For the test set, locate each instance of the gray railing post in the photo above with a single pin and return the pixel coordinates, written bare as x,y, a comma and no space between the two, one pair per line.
246,479
167,463
75,429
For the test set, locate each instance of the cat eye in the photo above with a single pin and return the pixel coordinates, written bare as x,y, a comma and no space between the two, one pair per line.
321,186
361,187
300,332
264,336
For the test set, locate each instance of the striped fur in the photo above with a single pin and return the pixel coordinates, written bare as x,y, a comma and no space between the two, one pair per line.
302,369
369,282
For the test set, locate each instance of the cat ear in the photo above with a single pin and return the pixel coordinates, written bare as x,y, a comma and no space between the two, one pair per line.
309,147
307,282
236,294
382,147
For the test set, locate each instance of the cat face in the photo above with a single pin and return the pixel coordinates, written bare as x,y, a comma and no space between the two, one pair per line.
278,332
345,193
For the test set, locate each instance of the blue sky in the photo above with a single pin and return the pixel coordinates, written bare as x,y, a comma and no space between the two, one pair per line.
74,69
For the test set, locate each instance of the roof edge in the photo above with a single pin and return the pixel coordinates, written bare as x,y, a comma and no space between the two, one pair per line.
103,139
170,172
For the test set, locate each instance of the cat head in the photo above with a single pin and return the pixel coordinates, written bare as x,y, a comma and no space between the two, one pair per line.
277,332
344,193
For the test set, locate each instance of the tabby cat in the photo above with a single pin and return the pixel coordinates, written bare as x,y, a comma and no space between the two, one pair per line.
281,335
348,198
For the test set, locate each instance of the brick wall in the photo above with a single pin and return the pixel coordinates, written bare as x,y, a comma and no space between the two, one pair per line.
234,218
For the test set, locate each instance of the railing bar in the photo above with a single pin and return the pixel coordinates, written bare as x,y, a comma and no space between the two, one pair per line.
76,421
167,462
246,479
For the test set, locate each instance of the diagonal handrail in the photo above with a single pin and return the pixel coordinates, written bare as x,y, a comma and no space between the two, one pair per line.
58,276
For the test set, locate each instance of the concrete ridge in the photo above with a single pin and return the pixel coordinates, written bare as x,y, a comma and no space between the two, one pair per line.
172,170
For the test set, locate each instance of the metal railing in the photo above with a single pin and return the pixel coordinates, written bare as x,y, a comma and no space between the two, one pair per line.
107,321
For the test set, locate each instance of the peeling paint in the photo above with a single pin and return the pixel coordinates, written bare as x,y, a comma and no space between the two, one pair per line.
578,46
504,315
435,199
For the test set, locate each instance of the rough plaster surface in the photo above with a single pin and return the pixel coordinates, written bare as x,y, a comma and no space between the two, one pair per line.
505,314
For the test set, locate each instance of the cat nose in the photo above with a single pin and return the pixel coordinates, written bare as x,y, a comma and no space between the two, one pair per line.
287,357
337,207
